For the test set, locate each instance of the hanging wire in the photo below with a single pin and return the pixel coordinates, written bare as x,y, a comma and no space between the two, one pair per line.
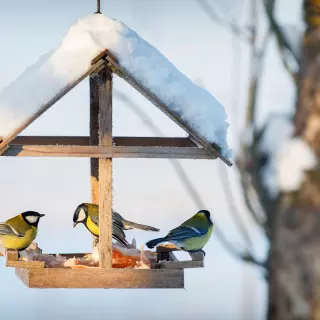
98,6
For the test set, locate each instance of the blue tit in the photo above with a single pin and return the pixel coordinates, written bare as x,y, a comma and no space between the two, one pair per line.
18,232
190,236
88,214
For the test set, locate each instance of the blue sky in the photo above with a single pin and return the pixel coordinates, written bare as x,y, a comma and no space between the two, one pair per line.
144,190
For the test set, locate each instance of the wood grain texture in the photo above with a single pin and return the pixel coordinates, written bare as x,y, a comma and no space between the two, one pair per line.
105,169
25,264
101,278
49,104
117,141
197,256
106,152
211,148
12,260
178,264
94,135
12,255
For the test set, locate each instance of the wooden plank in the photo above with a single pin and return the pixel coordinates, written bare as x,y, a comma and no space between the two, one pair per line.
105,170
117,141
212,149
94,136
101,278
45,107
179,264
25,264
23,275
12,260
12,255
197,256
104,54
106,152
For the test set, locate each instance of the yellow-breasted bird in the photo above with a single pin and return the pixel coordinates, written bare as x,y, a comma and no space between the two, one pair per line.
190,236
18,232
88,214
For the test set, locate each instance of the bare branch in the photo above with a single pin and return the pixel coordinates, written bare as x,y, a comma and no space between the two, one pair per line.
284,45
233,28
246,256
233,208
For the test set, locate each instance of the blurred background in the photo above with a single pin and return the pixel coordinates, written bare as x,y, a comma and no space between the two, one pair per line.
259,58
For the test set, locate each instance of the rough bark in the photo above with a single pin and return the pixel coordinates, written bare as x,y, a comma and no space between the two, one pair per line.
294,260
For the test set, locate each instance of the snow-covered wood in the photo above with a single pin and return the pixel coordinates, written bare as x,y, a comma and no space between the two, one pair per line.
55,71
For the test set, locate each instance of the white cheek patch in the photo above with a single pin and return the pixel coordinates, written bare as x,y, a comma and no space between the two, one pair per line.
82,215
32,219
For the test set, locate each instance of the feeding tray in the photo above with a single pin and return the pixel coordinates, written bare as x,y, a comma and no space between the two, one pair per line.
166,271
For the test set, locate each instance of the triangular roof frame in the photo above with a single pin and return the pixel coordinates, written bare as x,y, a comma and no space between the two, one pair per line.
105,57
101,147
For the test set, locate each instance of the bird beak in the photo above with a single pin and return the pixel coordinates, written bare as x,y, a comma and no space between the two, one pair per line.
75,224
42,215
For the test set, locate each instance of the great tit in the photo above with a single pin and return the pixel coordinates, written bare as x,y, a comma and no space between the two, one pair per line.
18,232
190,236
88,214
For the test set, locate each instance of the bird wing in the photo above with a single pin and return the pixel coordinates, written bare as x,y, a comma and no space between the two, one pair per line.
7,230
117,230
95,219
184,233
117,219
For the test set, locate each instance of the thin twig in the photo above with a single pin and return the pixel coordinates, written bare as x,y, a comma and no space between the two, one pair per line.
283,41
284,45
209,11
249,192
234,212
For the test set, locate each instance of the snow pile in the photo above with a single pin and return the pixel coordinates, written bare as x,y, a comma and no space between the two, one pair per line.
293,160
288,157
83,42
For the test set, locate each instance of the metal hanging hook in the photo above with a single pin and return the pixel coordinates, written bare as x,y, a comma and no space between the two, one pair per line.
98,7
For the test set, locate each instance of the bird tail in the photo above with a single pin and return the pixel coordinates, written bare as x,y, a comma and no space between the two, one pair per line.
133,225
152,243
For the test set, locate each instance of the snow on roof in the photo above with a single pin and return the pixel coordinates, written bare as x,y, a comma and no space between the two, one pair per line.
84,41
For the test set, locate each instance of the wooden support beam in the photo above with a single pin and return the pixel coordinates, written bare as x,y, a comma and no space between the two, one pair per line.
94,136
105,169
109,152
94,139
101,278
212,149
45,107
177,142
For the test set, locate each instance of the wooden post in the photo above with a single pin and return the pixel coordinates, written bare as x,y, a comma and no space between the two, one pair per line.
94,140
94,135
105,169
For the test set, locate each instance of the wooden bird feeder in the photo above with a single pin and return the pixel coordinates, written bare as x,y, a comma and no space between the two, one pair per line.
101,147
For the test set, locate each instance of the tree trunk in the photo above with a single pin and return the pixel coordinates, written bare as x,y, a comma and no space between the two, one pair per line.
294,260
